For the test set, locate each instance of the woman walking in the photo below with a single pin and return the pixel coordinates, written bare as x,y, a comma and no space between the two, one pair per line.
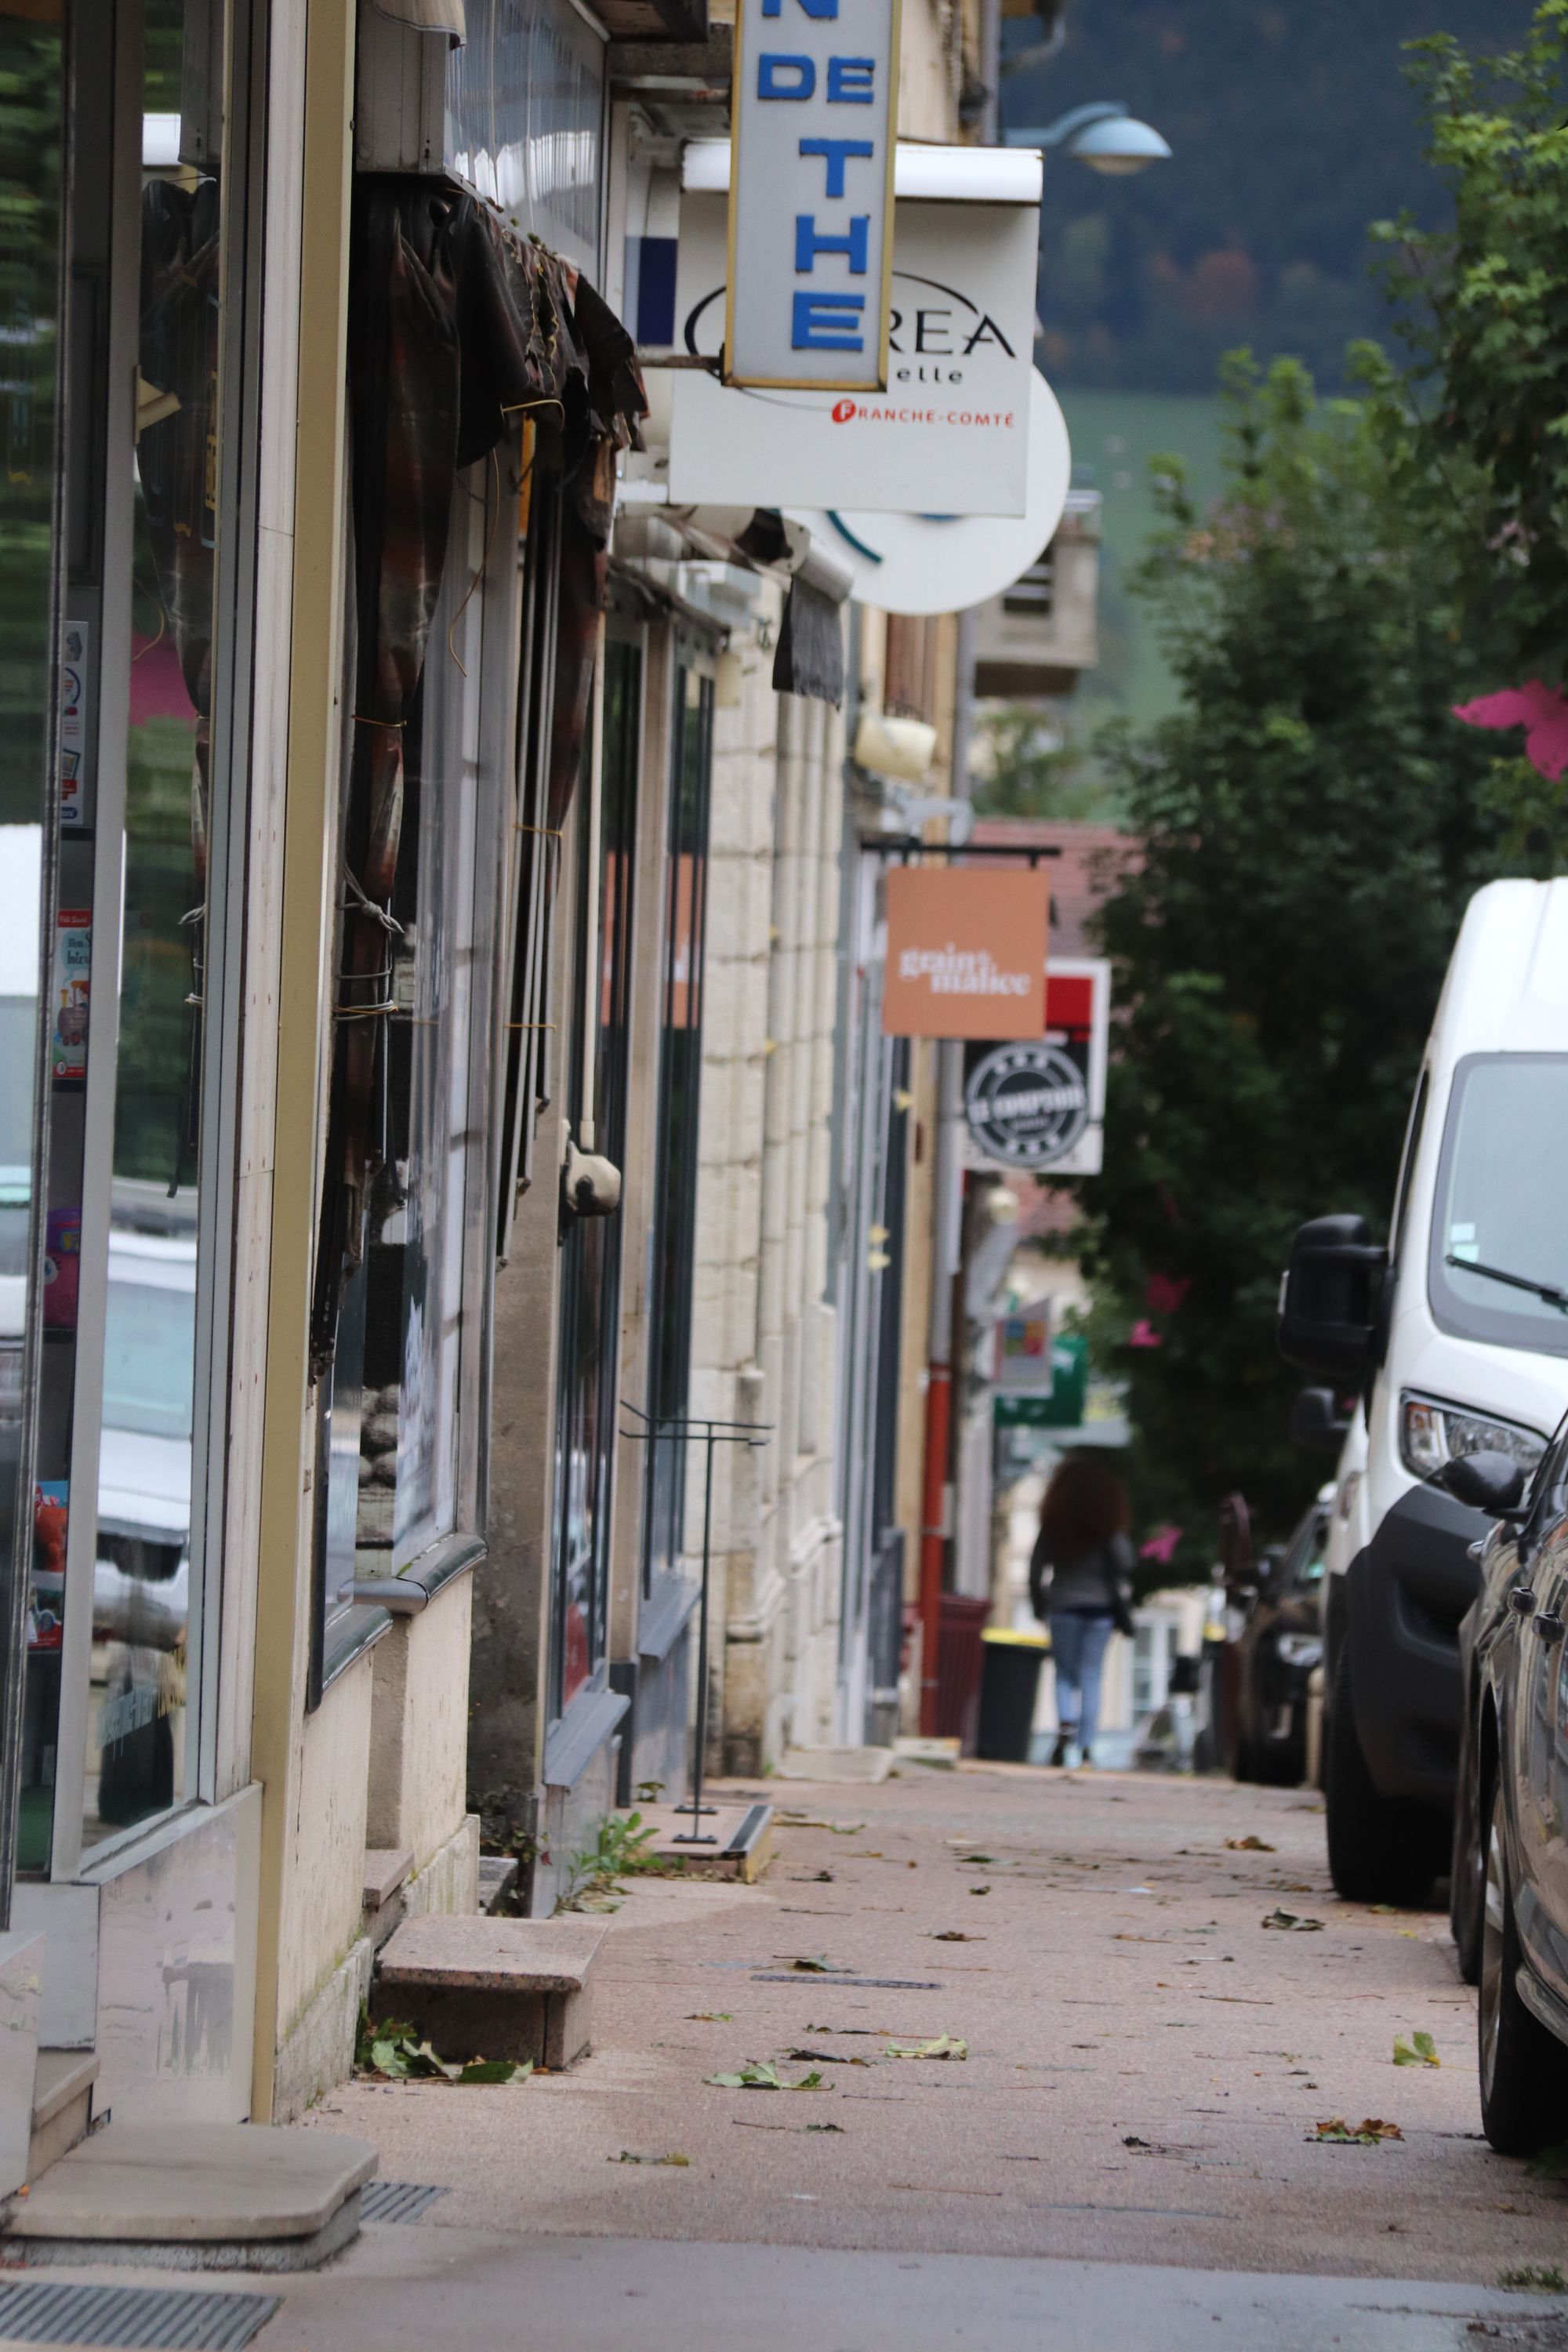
1080,1586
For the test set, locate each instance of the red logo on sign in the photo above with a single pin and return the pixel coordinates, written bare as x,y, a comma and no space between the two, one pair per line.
842,410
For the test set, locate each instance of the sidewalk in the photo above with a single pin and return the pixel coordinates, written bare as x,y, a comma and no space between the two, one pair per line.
1145,2060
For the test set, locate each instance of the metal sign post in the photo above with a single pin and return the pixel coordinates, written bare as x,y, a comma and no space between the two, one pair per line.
710,1434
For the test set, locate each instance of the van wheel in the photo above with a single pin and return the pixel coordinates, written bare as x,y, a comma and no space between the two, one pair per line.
1523,2069
1380,1849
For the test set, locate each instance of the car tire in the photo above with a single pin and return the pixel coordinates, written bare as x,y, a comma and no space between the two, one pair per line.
1243,1763
1467,1874
1523,2068
1381,1850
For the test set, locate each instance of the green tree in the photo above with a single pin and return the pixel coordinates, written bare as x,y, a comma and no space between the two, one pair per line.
1475,424
1312,822
1029,770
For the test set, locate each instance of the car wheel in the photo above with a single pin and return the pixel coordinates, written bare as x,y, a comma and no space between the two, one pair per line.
1523,2068
1380,1849
1243,1763
1466,1876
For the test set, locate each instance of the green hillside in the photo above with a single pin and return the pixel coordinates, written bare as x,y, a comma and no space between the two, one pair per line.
1291,127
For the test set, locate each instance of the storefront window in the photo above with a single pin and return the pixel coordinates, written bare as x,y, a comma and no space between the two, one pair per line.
136,1762
403,1391
31,1584
589,1365
679,1102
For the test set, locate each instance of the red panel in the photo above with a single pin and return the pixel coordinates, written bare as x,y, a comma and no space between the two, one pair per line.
1069,1001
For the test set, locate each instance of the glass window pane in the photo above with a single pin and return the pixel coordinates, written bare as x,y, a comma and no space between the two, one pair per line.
31,1518
136,1724
1497,1201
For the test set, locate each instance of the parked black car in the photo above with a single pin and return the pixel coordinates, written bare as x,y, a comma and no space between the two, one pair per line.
1509,1900
1281,1643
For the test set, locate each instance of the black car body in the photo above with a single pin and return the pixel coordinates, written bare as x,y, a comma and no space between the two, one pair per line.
1510,1844
1280,1646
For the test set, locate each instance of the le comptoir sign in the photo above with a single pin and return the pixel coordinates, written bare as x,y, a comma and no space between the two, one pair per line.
1039,1103
811,195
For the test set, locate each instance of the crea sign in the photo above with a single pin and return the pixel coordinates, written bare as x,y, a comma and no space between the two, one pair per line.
1038,1103
956,406
815,108
965,951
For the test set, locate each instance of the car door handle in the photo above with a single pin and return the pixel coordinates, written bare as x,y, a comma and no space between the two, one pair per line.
1548,1626
1521,1600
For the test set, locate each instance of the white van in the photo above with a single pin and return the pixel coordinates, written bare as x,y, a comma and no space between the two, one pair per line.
1454,1341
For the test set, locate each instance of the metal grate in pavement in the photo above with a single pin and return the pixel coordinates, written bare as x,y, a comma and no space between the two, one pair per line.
182,2319
396,2201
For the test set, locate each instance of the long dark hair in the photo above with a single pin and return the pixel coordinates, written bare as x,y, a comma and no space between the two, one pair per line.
1085,1506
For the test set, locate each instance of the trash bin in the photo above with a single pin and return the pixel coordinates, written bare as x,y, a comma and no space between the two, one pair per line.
1009,1684
959,1661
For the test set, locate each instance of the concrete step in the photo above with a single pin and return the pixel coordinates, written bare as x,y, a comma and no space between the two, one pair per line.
476,1987
731,1840
194,2197
386,1874
498,1877
62,2106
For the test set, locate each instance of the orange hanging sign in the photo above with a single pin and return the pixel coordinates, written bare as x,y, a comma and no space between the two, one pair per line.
966,951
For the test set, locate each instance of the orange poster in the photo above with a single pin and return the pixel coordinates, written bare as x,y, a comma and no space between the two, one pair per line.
966,951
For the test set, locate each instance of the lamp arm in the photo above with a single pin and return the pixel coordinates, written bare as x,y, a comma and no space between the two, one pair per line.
1055,134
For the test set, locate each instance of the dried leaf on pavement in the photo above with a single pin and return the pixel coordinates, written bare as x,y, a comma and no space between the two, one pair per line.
953,1936
1368,2133
762,2076
626,2157
942,2046
1248,1845
1419,2051
980,1890
708,2017
810,1964
1289,1920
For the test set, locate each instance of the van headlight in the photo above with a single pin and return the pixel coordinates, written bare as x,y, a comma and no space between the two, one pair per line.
1431,1433
1299,1649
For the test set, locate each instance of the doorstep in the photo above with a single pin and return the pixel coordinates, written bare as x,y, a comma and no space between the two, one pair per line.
737,1840
478,1987
62,2106
861,1767
195,2197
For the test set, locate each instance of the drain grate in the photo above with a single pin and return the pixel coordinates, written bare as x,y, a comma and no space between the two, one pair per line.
183,2318
396,2201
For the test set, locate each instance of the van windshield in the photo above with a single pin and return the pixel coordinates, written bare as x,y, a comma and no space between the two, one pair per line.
1500,1202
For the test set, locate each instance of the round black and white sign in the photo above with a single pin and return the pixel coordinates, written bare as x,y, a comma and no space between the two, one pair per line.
1026,1104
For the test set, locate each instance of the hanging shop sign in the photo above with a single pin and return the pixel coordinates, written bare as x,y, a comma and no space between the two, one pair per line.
965,951
1059,1403
814,109
918,562
1023,1349
955,412
1039,1102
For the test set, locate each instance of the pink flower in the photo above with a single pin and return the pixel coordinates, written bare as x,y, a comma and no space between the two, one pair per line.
1537,708
1143,1335
1166,1292
1160,1544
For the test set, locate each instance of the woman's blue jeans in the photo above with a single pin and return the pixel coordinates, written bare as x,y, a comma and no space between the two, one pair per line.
1078,1652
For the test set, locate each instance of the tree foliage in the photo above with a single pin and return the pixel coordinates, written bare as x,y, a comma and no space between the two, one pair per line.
1312,822
1476,422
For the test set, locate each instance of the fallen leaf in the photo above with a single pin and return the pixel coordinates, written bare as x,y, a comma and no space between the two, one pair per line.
1419,2051
954,1935
811,1964
826,2058
1248,1845
825,2127
1366,2134
980,1890
625,2157
708,2017
762,2076
1131,2140
983,1859
942,2046
1287,1919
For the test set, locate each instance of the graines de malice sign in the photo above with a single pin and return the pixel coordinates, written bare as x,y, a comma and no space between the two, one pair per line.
815,107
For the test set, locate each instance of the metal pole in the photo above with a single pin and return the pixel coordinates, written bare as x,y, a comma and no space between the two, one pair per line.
696,1835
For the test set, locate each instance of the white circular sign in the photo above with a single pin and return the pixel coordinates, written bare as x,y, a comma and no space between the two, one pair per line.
1025,1104
939,563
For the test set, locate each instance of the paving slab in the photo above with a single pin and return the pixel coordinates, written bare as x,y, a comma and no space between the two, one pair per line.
189,2182
856,1768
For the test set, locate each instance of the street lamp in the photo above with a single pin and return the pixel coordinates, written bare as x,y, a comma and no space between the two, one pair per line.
1102,135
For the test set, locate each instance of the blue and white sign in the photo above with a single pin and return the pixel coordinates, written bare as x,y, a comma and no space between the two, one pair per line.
814,111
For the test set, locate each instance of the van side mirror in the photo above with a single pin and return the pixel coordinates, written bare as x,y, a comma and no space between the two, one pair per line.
1493,1483
1328,1297
1317,1422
